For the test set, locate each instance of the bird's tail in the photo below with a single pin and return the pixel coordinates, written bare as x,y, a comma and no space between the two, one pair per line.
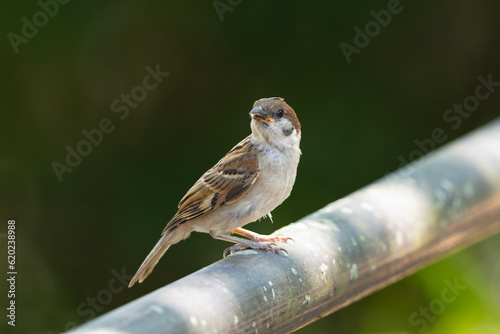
152,259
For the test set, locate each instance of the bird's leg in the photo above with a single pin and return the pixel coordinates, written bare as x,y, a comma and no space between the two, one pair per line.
259,237
241,244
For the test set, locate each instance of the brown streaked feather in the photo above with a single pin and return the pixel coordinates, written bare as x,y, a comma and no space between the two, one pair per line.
225,183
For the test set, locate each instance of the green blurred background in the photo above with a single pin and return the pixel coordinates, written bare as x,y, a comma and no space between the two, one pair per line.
357,118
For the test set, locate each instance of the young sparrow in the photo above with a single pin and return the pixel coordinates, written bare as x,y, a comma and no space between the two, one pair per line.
252,179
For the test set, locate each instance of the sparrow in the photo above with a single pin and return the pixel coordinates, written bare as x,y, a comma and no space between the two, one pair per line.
250,181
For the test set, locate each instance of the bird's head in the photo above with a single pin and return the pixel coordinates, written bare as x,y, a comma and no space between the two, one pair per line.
275,122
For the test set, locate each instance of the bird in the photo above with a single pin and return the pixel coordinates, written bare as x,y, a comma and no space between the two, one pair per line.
249,182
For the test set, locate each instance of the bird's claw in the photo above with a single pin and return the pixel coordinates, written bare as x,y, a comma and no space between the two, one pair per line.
267,246
273,237
232,249
282,238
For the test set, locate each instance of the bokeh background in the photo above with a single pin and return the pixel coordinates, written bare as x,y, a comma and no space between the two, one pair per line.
358,118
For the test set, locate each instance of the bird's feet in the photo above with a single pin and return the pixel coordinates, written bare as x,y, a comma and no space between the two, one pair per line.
273,237
257,241
255,237
264,245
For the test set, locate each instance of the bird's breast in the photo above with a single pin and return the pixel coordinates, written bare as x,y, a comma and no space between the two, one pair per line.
277,172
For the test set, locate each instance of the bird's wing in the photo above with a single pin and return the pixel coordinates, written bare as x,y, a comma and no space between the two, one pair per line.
225,183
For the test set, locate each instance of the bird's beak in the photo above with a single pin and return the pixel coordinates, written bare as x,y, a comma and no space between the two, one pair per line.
260,115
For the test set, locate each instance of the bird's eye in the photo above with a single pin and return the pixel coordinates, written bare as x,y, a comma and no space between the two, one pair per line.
280,113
